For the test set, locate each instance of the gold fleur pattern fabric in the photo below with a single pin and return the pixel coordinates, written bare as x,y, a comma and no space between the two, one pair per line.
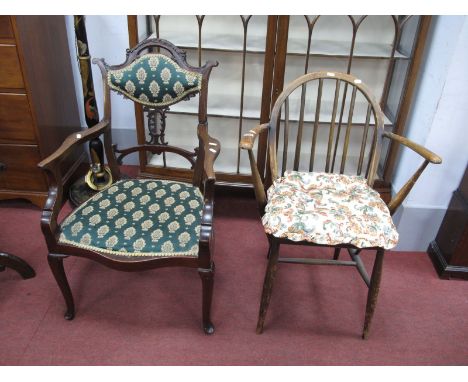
328,209
154,80
139,217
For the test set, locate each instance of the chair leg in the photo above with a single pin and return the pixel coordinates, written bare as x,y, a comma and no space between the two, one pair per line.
269,251
56,266
336,254
354,253
268,284
207,277
373,291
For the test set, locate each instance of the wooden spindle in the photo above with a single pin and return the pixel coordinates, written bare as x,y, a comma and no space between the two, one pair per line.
348,130
286,136
332,125
364,140
372,150
316,123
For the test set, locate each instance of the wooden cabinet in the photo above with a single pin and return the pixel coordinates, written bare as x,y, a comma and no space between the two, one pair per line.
259,54
449,250
38,107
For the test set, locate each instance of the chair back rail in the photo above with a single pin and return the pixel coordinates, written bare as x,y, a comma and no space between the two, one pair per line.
348,139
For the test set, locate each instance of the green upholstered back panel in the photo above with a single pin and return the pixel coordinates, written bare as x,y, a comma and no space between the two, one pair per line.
154,80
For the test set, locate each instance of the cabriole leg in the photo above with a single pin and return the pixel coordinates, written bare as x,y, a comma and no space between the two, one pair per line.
56,266
207,277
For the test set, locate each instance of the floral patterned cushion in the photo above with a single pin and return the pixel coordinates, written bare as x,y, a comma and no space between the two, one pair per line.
140,217
154,80
328,209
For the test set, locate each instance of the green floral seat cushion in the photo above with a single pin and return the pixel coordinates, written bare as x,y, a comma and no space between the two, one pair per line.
154,80
140,217
328,209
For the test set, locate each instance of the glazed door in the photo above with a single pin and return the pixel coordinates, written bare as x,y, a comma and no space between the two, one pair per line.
258,54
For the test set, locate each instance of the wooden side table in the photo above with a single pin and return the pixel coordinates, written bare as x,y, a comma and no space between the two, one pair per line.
16,263
449,251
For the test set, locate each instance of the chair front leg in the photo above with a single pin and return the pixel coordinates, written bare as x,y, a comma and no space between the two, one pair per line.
207,277
56,266
268,283
373,291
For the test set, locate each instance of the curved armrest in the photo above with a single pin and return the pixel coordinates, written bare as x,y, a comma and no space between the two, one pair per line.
211,148
247,143
51,165
248,139
73,140
428,156
425,153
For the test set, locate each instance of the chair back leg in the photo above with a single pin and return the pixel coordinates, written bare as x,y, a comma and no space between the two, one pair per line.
268,283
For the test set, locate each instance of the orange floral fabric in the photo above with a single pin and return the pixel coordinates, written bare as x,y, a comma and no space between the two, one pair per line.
328,209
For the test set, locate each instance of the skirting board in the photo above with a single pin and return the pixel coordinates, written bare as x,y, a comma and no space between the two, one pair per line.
445,270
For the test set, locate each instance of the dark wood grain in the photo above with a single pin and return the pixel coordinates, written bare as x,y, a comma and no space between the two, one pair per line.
10,75
449,250
266,105
6,31
50,81
37,102
21,172
16,123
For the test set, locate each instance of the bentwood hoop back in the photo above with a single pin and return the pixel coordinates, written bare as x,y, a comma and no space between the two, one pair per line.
344,85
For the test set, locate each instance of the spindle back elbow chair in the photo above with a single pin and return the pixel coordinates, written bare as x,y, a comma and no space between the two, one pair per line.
327,199
141,224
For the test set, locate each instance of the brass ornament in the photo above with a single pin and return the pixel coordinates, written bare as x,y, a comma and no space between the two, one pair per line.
99,180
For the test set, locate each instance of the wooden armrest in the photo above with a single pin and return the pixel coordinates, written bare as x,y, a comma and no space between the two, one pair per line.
248,139
51,166
211,147
247,143
425,153
428,156
71,141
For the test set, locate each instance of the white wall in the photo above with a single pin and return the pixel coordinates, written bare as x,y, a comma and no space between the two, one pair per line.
439,121
107,38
